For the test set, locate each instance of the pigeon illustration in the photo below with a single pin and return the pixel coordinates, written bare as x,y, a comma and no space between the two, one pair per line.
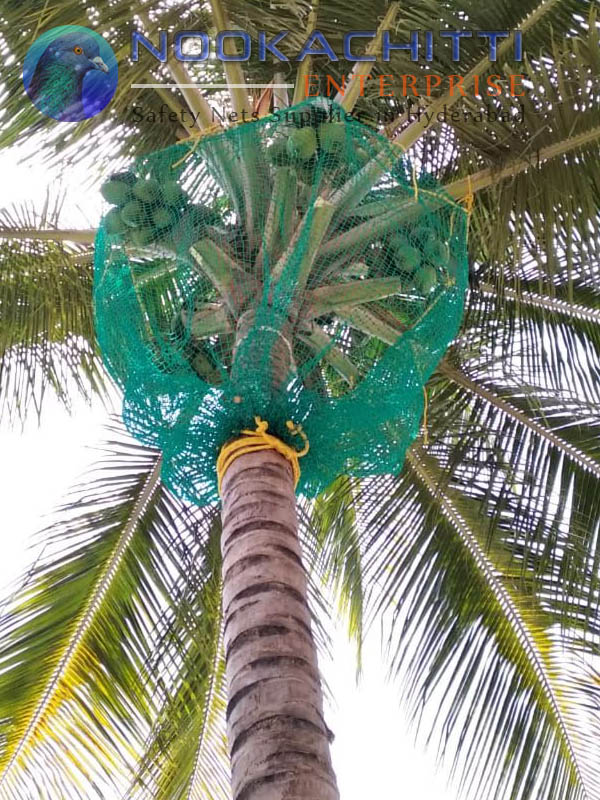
56,86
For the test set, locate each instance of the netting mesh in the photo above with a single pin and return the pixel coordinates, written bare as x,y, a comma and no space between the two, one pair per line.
295,267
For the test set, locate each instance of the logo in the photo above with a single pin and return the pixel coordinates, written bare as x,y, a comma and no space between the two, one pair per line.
70,73
315,45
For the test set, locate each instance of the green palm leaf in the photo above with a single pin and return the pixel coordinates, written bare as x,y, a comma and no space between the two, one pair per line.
185,756
470,638
77,698
47,339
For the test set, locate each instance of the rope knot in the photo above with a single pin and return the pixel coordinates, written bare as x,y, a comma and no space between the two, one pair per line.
253,441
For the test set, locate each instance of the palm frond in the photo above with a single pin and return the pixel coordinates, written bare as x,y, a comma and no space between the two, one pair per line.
471,639
47,339
337,556
185,756
540,174
77,700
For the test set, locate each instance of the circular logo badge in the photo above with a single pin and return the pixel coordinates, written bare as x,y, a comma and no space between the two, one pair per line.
70,73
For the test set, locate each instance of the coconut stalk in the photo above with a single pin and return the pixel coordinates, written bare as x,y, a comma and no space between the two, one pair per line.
306,63
365,231
242,106
328,298
313,228
362,69
193,98
283,196
280,93
487,177
226,275
236,80
370,322
415,129
208,320
323,346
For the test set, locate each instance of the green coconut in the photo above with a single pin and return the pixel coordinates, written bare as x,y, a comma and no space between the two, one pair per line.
426,279
142,236
113,222
133,213
172,193
116,191
436,251
162,217
398,241
332,137
408,258
147,190
423,233
302,144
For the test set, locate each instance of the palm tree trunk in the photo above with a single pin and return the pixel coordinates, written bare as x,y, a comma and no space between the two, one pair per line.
278,739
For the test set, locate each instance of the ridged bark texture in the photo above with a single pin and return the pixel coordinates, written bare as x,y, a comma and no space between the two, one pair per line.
278,739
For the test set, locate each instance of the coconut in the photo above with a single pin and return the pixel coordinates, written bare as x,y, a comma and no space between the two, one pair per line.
436,252
172,193
142,236
113,222
133,213
116,191
147,190
332,136
302,144
408,258
161,217
398,241
423,233
427,279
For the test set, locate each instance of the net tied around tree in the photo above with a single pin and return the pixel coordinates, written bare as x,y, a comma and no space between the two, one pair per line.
296,269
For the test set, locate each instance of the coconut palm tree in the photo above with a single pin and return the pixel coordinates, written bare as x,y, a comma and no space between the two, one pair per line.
480,557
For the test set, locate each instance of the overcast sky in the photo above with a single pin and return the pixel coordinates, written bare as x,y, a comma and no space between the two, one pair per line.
374,751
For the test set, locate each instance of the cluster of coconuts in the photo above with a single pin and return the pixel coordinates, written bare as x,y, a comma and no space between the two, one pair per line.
147,210
421,254
302,147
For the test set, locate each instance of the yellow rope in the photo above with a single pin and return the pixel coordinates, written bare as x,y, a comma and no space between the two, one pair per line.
195,136
254,441
200,133
415,182
469,198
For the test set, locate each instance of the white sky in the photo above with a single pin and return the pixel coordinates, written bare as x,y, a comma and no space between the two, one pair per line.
374,752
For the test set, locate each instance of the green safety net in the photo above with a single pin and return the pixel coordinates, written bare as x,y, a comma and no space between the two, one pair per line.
297,267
